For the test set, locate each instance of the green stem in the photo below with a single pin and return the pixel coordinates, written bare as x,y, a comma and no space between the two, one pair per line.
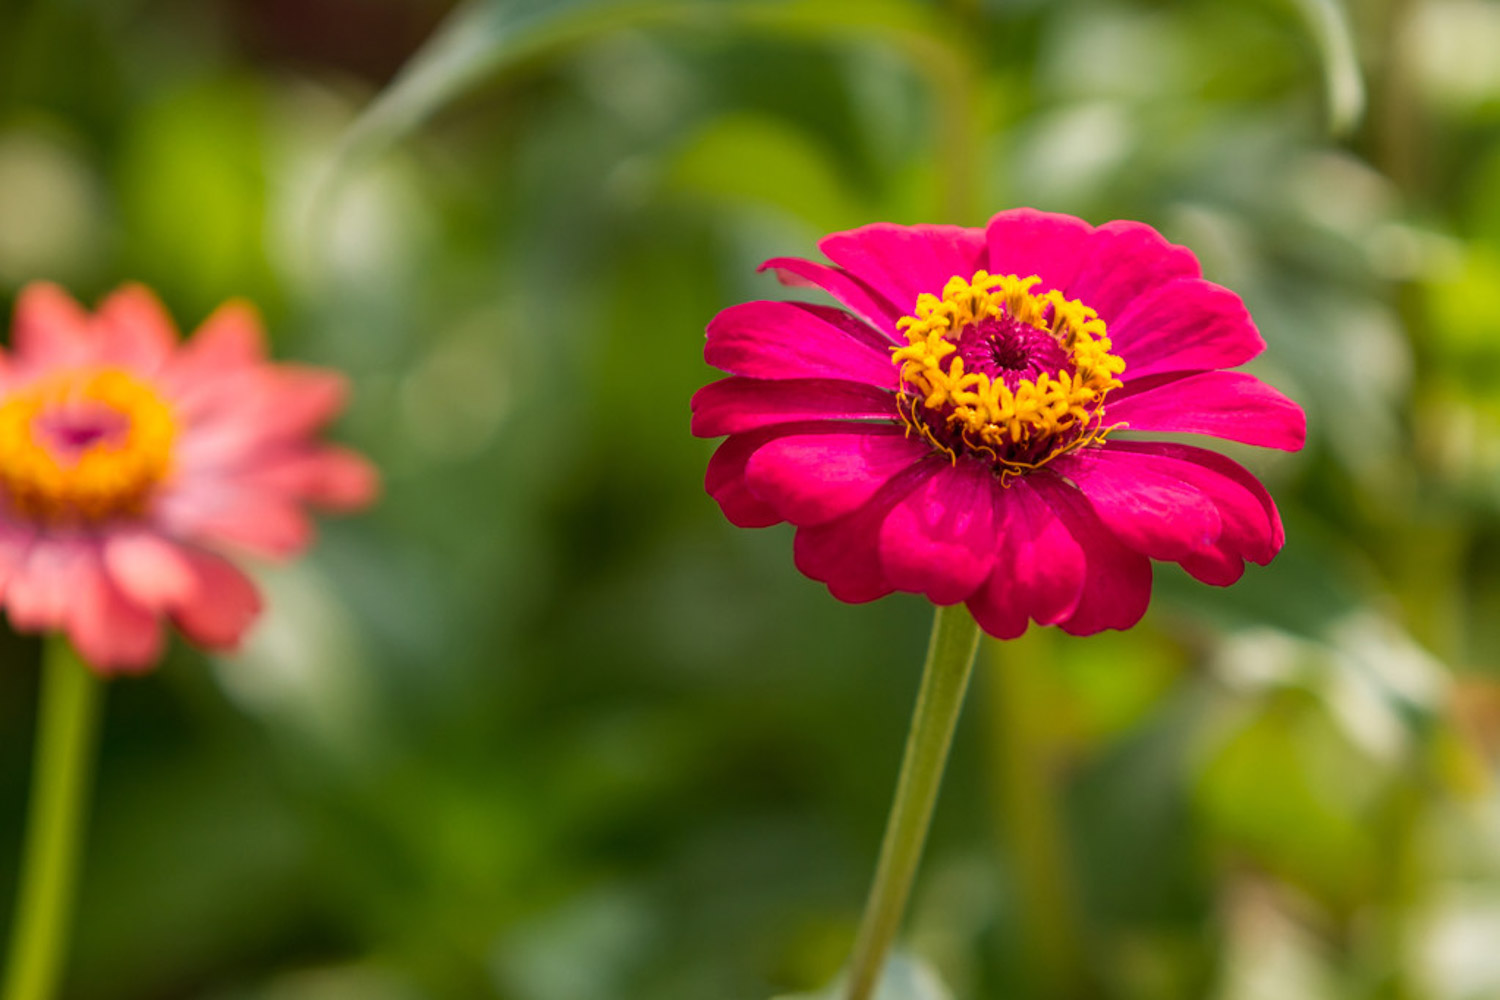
1035,835
953,76
945,678
60,778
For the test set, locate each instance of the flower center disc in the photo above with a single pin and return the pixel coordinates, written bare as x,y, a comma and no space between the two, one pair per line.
991,369
84,446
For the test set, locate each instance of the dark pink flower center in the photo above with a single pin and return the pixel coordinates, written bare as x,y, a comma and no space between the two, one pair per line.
1006,349
73,428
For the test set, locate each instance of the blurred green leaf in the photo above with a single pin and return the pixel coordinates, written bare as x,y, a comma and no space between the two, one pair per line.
193,188
1344,86
766,162
893,19
1287,791
478,39
1465,312
482,37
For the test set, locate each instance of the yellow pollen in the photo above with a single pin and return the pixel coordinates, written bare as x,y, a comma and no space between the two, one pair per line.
1021,428
84,445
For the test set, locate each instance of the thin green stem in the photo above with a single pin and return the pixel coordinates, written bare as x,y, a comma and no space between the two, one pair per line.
955,84
945,678
1030,812
61,775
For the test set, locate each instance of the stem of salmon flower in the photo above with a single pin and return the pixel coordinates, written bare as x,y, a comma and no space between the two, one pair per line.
945,678
61,773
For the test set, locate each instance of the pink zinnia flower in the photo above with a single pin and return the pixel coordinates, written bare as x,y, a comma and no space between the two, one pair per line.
130,464
961,432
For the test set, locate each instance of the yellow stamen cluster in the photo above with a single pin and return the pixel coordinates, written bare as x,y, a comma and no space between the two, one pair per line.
988,414
110,477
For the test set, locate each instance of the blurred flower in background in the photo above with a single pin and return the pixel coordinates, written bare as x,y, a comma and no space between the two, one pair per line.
128,463
126,466
525,731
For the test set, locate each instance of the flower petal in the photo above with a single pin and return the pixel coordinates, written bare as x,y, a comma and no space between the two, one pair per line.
226,420
63,587
223,512
1123,261
1039,568
326,476
39,592
1117,582
223,605
1184,325
816,477
210,600
902,262
725,479
1023,242
844,553
150,569
231,338
940,539
734,405
135,329
50,327
858,296
111,632
1230,405
1155,513
773,340
16,539
297,400
1251,524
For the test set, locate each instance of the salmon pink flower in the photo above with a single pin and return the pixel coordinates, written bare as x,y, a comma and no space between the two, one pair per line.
966,430
131,465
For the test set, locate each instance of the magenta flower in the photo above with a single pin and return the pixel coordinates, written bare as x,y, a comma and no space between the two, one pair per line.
967,430
130,465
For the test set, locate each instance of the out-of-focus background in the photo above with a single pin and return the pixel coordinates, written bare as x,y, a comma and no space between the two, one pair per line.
543,726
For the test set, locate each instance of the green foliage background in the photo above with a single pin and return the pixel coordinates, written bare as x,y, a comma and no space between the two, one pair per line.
542,726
